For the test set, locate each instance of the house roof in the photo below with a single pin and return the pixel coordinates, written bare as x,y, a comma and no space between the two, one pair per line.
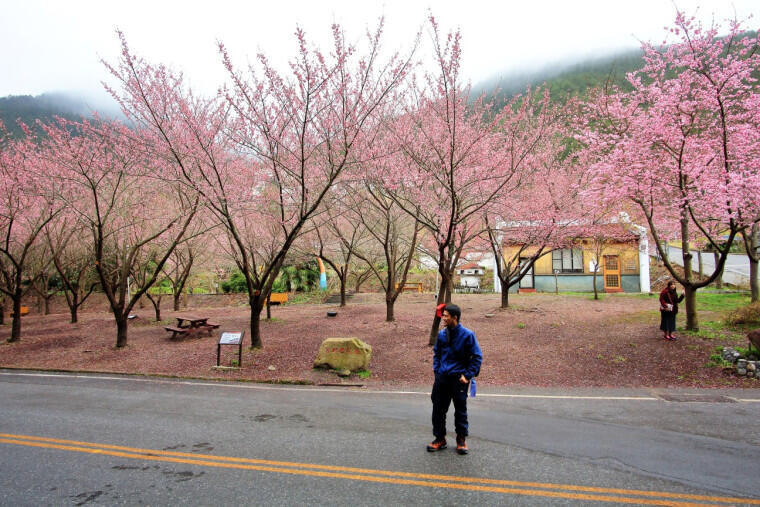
622,233
469,265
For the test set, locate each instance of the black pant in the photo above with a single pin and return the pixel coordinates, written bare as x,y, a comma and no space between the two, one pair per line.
445,389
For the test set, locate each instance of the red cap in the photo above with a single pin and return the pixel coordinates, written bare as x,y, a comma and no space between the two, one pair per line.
439,310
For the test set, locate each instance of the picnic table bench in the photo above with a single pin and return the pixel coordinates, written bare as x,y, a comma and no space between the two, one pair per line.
188,325
276,298
23,311
413,286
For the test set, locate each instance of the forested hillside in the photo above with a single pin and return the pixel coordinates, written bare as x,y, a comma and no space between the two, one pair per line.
565,80
44,107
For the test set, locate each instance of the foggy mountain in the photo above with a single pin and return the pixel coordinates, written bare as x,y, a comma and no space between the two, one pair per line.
563,78
45,107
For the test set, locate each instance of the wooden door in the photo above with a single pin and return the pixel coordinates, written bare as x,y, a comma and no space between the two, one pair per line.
612,274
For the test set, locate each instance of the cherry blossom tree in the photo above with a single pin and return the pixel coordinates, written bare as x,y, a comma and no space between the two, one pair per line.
337,233
74,261
456,155
266,152
534,217
676,145
27,205
393,237
126,199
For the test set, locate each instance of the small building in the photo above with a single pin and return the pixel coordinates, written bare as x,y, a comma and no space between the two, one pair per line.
623,267
470,274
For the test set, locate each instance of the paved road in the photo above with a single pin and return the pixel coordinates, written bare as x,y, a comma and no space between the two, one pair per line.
735,271
79,440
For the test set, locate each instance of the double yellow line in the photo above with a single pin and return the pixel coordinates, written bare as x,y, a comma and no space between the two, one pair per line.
538,489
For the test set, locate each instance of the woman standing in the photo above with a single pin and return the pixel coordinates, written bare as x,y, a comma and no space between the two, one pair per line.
669,300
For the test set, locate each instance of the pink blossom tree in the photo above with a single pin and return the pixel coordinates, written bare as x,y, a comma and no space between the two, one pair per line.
266,152
74,261
535,216
676,144
27,205
126,199
456,155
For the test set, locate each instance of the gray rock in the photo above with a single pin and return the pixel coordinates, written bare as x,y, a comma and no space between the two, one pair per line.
344,372
741,372
751,366
741,363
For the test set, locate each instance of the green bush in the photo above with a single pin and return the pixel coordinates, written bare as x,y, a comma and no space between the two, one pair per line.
235,283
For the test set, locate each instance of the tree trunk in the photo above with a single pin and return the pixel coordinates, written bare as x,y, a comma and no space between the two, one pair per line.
156,305
437,319
257,304
504,295
47,305
596,293
16,322
269,309
2,311
701,264
74,305
719,280
176,296
121,331
389,303
690,302
752,247
255,329
343,290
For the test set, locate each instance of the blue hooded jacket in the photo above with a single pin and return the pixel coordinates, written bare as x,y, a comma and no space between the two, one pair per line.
460,357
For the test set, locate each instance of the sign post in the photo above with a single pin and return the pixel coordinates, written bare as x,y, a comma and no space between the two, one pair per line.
230,339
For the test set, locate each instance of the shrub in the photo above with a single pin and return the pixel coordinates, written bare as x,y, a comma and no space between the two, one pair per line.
236,283
749,314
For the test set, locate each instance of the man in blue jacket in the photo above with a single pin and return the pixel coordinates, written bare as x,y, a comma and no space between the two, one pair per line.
456,360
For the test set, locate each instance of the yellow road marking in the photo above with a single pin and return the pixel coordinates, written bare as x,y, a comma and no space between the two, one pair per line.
392,477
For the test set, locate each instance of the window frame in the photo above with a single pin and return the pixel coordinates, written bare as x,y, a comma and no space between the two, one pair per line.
558,256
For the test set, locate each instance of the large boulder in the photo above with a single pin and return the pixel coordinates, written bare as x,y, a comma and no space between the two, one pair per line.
754,338
344,354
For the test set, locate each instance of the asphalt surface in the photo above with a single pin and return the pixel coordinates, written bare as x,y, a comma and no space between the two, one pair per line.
109,440
735,270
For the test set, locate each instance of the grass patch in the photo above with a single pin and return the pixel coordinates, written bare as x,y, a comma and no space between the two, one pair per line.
721,302
365,374
520,325
311,297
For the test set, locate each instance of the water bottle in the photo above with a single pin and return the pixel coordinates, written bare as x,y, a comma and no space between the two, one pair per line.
472,388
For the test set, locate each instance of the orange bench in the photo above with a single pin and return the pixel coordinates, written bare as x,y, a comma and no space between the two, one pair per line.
276,298
413,286
24,311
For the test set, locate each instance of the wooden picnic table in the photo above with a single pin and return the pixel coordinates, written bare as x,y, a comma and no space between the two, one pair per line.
191,325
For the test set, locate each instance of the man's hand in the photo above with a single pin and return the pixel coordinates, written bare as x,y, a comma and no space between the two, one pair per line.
462,379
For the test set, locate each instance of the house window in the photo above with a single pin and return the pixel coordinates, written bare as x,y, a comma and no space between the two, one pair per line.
568,260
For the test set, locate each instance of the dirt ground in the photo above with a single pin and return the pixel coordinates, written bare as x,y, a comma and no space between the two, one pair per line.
541,340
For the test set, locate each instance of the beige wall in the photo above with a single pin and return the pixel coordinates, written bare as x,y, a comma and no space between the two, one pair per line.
628,253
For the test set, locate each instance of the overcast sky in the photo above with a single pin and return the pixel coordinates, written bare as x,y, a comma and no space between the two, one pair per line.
56,45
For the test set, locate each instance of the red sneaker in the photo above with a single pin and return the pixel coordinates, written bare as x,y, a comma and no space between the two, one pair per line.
461,445
438,444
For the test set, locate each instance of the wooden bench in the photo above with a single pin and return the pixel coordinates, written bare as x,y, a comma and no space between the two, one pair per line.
413,286
24,311
177,331
276,298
